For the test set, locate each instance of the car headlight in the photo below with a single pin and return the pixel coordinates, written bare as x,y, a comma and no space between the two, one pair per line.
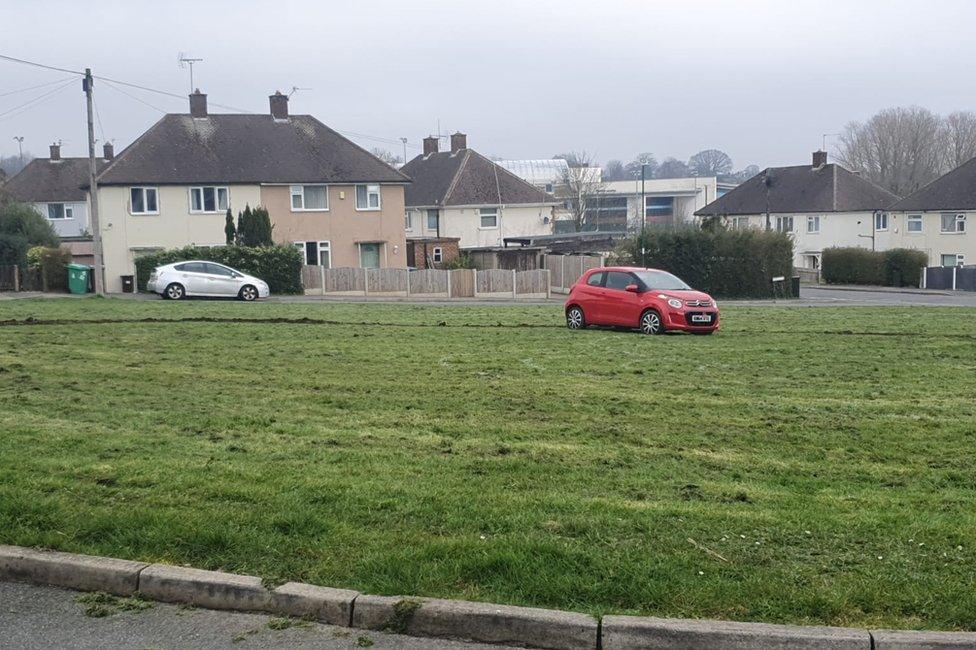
674,302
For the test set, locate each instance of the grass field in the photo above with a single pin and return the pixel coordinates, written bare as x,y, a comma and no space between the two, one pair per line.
823,457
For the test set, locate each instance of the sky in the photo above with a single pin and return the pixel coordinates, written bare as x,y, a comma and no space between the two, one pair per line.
761,80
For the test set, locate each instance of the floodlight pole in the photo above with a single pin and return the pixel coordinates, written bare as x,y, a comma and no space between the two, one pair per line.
643,207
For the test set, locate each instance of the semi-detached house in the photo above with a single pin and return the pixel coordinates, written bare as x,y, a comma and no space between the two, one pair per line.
336,202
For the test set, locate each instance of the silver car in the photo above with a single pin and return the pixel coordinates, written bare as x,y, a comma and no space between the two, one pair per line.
198,278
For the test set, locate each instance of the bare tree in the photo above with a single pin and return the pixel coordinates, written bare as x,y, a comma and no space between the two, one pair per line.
647,160
580,185
672,168
390,159
958,138
743,175
11,165
898,148
710,162
614,171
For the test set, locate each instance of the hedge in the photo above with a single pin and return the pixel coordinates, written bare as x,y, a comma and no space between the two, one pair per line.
901,267
53,263
279,266
724,263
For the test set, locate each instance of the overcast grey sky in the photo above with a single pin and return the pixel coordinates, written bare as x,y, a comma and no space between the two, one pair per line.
759,79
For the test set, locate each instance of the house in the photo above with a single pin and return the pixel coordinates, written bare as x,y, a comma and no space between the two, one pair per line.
54,187
617,205
934,218
822,205
339,204
432,252
461,193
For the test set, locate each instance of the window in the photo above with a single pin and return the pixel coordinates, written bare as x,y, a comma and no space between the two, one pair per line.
740,223
813,225
142,200
432,218
309,197
659,208
56,211
369,256
367,197
953,259
438,254
953,223
408,220
316,253
596,279
489,217
217,269
208,199
549,188
192,267
880,221
914,223
618,280
784,224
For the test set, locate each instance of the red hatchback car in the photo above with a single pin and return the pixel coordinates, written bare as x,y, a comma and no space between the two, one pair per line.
648,299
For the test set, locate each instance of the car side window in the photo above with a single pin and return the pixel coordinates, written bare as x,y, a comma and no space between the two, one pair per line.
619,280
596,279
216,269
191,267
181,267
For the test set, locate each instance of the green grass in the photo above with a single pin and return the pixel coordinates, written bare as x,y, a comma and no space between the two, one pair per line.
487,453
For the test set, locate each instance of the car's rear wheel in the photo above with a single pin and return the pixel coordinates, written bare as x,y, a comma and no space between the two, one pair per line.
174,291
248,293
575,319
650,323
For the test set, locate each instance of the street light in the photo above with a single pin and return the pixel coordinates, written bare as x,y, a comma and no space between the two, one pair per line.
20,147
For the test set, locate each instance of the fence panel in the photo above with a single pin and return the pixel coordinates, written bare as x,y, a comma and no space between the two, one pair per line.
387,280
312,279
428,281
938,277
567,269
462,283
495,281
9,278
534,282
966,278
344,280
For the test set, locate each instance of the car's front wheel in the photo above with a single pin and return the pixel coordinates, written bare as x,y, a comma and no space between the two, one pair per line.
248,293
650,323
575,319
174,291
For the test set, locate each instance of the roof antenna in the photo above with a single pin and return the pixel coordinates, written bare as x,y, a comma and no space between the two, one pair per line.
295,89
185,61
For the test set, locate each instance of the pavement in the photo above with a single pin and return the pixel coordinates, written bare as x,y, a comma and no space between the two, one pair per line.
881,296
35,617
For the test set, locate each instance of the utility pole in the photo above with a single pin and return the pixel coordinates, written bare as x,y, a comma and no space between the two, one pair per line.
20,148
99,271
404,141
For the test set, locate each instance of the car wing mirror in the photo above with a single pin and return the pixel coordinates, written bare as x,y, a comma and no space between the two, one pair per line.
631,288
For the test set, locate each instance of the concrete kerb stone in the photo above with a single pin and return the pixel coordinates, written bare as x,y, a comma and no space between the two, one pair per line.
631,632
905,639
324,604
82,572
483,622
211,589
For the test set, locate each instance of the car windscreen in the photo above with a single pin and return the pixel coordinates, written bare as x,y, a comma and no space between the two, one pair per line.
661,280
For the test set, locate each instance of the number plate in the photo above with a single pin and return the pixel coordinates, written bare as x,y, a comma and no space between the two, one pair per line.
701,318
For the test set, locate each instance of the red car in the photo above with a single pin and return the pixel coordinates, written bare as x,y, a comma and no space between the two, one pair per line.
648,299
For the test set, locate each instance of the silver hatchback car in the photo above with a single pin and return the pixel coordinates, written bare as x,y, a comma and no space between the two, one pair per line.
198,278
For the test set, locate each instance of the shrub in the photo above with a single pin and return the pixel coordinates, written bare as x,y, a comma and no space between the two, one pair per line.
21,220
254,227
13,249
896,267
725,263
53,269
279,266
903,267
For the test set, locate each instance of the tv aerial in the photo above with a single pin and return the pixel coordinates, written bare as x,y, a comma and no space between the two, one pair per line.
186,61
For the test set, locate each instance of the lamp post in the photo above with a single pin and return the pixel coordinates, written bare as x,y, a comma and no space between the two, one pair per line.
20,147
643,205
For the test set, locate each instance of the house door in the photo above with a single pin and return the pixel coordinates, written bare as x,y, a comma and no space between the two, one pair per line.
369,256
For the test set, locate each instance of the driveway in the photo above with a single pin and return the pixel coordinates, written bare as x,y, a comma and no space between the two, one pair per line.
33,617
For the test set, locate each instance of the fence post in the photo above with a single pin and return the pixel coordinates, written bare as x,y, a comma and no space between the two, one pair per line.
514,285
408,282
322,279
474,279
562,273
449,292
954,269
17,278
581,268
548,284
365,282
925,276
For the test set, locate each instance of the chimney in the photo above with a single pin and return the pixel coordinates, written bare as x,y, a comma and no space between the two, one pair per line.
56,152
198,103
819,158
279,106
108,151
458,141
430,144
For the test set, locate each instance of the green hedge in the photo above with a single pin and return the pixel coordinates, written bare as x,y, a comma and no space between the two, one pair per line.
901,267
279,266
724,263
53,263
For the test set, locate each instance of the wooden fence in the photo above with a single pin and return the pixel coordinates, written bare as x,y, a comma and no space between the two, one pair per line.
565,270
429,283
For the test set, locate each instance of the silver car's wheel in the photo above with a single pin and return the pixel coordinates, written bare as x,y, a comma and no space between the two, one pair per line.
248,293
574,319
650,323
175,291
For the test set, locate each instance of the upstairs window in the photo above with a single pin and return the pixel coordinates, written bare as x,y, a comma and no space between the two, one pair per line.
813,224
880,221
143,200
914,223
408,220
57,211
309,197
784,224
953,223
489,217
367,197
432,218
208,199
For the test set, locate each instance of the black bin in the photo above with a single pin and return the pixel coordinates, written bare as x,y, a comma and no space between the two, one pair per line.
128,284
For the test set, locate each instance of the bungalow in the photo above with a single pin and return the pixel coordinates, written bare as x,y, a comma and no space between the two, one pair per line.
54,187
339,204
934,217
463,194
821,205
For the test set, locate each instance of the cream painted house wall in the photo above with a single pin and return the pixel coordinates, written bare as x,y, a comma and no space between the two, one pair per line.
125,236
465,223
933,241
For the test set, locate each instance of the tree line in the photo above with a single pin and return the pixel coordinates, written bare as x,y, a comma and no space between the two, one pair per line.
708,162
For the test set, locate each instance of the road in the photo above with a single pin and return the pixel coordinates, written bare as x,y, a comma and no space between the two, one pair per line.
868,296
33,617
